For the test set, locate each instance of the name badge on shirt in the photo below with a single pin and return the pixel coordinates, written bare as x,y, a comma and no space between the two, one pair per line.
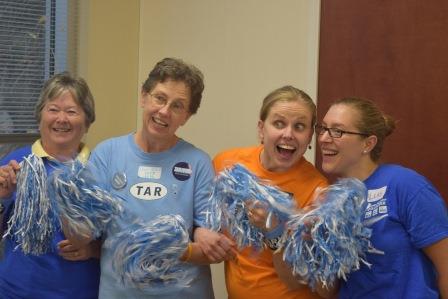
119,180
376,194
149,172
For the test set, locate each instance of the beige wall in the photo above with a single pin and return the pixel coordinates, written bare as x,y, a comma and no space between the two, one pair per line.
246,48
108,60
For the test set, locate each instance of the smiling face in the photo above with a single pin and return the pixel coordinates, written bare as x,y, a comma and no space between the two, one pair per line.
347,156
165,109
285,133
62,126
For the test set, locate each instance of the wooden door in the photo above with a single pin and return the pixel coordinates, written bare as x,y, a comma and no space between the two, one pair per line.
395,53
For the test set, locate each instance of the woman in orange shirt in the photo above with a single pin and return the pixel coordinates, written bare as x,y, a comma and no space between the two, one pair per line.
285,129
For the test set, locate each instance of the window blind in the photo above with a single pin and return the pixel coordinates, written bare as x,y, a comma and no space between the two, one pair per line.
33,47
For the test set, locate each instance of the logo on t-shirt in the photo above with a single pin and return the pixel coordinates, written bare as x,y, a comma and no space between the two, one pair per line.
148,191
182,171
376,206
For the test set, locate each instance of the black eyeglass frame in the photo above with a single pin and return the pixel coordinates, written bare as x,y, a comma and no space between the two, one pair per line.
335,132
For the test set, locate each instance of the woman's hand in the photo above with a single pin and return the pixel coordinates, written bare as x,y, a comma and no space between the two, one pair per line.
71,252
8,178
259,216
215,246
78,239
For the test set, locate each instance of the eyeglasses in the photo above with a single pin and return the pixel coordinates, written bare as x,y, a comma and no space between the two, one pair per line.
175,106
334,132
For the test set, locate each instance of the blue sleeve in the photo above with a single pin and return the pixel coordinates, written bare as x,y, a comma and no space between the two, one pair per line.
426,218
202,190
99,161
17,155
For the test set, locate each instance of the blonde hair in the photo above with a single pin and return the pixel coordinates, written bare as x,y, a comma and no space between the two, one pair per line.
287,93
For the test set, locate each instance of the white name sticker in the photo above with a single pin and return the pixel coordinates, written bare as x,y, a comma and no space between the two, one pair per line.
376,194
149,172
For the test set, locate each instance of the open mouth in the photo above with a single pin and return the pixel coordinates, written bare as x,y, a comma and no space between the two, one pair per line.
159,122
329,153
285,150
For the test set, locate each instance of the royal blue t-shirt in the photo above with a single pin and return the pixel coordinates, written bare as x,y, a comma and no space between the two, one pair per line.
406,214
47,276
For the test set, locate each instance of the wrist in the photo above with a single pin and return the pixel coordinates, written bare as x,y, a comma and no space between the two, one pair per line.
7,197
188,253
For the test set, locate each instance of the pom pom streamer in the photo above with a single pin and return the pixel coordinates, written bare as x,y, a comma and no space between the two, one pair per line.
338,241
33,222
147,256
83,207
234,190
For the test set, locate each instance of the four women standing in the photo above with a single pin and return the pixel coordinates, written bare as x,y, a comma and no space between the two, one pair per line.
159,173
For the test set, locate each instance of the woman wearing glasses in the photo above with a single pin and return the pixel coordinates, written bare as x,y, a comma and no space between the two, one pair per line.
159,173
407,215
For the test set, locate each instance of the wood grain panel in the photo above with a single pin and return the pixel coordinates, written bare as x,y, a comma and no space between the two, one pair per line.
395,53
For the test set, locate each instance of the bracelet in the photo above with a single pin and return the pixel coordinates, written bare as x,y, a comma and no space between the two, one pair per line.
274,243
274,237
189,252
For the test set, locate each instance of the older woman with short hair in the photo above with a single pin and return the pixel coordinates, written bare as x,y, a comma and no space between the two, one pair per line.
64,111
159,173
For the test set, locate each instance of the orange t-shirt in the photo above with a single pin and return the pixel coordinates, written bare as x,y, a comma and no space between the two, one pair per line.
252,275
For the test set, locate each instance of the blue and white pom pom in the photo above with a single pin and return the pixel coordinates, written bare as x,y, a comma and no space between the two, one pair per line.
33,221
234,190
337,240
147,256
83,207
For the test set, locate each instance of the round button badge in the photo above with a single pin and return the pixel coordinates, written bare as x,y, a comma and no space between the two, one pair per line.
119,180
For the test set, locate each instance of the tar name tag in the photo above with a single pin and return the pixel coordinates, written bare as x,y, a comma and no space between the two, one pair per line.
148,191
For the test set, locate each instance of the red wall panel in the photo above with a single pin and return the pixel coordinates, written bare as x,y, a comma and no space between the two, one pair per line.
395,53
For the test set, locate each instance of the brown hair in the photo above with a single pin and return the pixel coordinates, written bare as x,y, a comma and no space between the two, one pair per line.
177,70
371,121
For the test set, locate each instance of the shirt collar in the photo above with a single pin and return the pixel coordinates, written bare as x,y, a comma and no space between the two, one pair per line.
39,151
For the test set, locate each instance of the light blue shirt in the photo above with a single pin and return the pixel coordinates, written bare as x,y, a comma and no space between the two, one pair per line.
176,181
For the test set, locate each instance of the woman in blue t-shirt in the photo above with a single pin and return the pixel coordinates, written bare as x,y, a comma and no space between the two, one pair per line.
64,112
407,215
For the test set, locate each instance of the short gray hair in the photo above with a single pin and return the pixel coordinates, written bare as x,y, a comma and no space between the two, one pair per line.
77,86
